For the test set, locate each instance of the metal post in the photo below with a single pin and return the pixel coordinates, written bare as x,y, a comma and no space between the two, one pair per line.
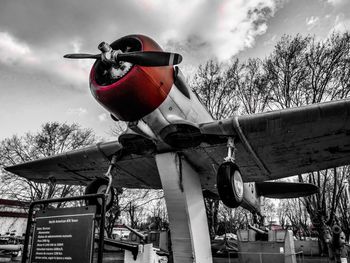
102,227
26,238
184,199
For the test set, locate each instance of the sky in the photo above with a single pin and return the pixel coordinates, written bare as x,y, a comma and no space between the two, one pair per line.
38,85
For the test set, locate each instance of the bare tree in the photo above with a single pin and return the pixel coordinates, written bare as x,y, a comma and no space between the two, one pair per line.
344,206
230,220
52,139
322,207
214,87
286,71
113,214
293,214
250,82
139,204
324,63
212,211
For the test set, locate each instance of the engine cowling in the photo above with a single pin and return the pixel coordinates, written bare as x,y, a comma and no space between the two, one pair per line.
129,91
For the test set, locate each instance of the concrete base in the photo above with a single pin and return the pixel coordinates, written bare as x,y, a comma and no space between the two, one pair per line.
278,249
146,255
186,210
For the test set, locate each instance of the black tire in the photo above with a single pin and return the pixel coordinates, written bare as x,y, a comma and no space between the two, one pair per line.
230,184
99,185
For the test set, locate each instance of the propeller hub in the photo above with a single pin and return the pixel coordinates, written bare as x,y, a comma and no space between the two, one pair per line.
104,47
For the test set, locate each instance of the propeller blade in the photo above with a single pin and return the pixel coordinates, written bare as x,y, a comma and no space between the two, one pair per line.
151,58
80,56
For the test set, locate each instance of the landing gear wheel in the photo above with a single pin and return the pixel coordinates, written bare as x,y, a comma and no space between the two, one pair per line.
230,184
99,186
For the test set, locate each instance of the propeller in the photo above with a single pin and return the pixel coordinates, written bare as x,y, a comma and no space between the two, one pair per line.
80,56
151,58
142,58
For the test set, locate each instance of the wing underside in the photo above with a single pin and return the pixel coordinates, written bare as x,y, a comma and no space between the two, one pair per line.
82,166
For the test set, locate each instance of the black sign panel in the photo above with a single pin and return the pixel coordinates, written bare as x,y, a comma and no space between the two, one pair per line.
63,235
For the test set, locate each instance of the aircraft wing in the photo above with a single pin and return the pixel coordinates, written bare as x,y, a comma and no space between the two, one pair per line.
288,142
84,165
268,146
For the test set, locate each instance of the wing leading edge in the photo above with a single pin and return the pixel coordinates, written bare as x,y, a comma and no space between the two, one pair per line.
269,146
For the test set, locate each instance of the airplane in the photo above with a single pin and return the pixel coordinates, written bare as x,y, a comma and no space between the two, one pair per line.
172,142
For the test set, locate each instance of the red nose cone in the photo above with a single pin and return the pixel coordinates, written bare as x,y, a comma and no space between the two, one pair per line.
137,93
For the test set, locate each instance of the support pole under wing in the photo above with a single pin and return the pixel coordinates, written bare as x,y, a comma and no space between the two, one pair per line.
185,204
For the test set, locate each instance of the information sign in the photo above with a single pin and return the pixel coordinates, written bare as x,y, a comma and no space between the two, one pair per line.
63,235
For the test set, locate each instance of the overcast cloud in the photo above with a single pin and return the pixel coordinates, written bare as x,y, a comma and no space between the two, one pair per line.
200,29
35,34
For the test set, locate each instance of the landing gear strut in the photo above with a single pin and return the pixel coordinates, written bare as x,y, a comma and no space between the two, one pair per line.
229,179
102,185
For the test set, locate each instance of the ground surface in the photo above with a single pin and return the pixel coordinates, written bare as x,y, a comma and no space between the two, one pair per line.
118,258
299,260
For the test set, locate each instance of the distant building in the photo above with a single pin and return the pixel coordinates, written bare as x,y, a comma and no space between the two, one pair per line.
13,217
120,232
274,226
